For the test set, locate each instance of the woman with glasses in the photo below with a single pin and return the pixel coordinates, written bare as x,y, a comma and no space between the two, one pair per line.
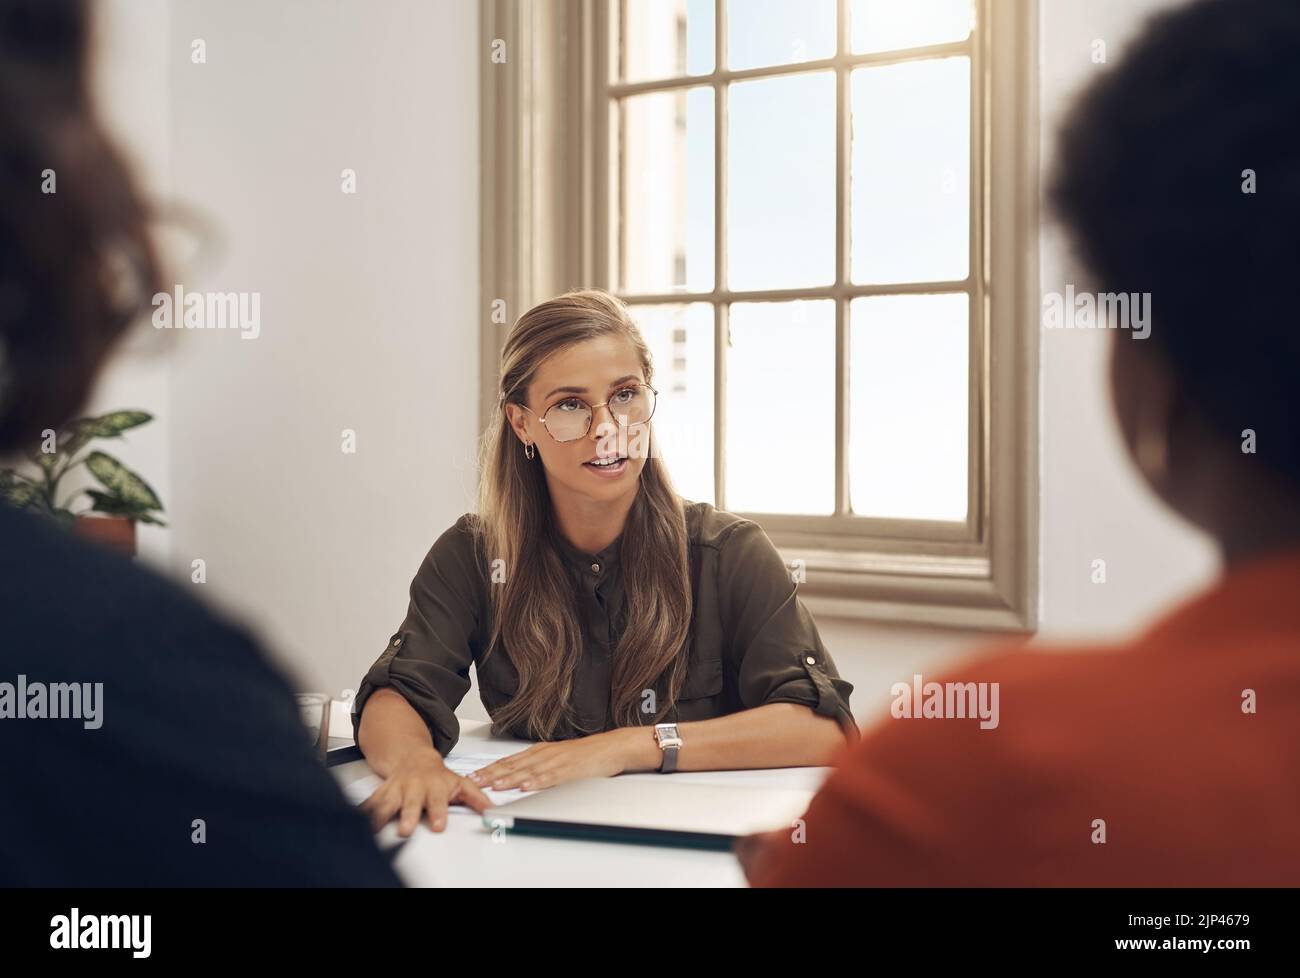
616,624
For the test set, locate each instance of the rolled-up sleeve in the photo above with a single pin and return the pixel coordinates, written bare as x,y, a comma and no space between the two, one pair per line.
776,651
428,659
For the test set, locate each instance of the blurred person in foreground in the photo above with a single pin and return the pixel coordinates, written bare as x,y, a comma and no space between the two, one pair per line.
195,769
1181,749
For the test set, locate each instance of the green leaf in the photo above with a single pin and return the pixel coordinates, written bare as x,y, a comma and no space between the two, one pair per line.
20,492
109,425
122,482
42,508
104,502
17,491
112,505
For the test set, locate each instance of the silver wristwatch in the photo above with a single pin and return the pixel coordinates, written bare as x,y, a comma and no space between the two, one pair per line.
670,742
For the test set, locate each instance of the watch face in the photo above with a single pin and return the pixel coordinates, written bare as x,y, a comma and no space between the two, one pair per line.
665,731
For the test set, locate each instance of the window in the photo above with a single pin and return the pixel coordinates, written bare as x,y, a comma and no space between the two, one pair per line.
822,216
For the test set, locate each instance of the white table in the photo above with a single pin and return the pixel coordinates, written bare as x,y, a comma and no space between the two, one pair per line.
465,853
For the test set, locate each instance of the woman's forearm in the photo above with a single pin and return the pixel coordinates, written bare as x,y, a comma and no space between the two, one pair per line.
775,735
390,731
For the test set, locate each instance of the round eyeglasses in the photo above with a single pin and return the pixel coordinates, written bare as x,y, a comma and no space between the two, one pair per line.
570,419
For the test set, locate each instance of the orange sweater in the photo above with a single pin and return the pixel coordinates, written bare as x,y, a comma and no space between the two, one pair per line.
1153,744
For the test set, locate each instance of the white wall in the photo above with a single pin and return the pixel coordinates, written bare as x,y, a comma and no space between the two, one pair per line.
368,307
1092,504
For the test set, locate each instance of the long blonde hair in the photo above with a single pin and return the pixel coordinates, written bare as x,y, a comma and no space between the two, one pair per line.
534,616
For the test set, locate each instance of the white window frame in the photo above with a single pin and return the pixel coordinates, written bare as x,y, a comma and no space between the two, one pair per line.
548,112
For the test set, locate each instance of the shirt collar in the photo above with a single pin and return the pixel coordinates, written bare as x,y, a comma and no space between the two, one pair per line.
583,560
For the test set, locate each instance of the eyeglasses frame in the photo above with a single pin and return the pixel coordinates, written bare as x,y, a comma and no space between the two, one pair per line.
591,407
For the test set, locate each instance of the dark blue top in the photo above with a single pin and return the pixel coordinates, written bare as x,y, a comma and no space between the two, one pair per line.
195,725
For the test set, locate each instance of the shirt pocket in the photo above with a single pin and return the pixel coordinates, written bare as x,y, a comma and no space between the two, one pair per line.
701,694
703,678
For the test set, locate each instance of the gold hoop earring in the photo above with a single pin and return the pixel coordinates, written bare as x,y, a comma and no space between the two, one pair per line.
529,451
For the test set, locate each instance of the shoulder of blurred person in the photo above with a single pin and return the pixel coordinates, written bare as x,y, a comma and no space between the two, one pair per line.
186,762
1149,763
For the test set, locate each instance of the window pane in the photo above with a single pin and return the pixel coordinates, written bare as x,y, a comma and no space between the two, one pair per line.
681,344
781,182
780,451
667,39
886,25
911,172
667,172
776,32
908,396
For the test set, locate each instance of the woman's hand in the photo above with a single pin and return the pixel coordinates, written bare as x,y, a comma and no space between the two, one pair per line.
546,764
421,782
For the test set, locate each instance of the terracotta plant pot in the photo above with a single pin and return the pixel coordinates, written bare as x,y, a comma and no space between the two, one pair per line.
115,532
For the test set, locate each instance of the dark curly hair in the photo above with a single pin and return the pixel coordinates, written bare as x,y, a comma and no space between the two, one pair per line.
76,265
1150,179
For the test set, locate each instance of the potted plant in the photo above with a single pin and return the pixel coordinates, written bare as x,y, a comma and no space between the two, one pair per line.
123,499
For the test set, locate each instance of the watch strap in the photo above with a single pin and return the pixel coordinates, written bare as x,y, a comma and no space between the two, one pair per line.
669,764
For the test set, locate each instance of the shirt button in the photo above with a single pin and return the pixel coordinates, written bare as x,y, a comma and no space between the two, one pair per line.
810,660
595,568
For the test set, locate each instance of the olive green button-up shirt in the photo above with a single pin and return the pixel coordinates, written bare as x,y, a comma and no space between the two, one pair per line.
752,641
